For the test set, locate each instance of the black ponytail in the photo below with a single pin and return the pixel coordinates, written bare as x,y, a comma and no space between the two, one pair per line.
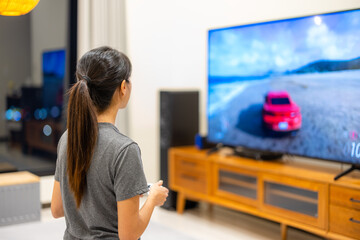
99,73
82,135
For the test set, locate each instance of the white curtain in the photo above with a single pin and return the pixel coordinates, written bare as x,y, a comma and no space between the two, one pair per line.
102,22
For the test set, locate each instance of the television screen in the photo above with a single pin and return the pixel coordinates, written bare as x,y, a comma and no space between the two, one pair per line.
289,86
53,84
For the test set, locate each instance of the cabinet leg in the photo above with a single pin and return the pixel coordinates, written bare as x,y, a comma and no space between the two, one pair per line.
211,207
283,231
180,204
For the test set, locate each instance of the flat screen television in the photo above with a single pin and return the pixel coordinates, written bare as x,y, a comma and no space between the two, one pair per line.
53,67
289,86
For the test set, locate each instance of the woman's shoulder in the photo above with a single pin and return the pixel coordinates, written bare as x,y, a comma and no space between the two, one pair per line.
110,136
63,139
62,145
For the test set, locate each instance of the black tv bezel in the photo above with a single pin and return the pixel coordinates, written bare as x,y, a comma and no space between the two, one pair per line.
208,70
279,20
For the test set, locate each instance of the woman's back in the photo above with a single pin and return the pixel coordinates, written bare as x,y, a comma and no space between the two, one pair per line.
99,175
115,174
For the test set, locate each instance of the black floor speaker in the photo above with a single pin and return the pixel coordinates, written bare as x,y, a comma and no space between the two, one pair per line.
179,123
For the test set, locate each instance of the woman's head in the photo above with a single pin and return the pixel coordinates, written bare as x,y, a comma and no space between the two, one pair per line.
102,80
104,70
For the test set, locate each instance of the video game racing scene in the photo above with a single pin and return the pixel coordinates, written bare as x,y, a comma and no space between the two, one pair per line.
289,86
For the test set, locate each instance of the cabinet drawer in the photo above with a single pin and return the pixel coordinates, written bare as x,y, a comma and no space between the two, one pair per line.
346,197
190,164
345,221
191,180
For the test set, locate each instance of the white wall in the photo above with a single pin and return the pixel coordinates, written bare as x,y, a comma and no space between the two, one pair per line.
49,28
167,43
14,59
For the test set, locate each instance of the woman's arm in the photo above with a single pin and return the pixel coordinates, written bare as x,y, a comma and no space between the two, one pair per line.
57,209
132,222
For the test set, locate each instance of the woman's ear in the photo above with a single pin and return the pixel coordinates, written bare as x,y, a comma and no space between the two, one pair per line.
123,88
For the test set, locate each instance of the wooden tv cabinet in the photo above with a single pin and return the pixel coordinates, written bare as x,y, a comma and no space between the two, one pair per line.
36,139
293,194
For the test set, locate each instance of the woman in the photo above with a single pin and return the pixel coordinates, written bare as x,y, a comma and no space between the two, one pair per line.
99,175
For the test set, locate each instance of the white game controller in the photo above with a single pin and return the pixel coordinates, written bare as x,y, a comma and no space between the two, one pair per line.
148,192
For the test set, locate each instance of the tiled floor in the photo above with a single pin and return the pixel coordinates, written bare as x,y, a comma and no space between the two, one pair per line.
220,224
223,223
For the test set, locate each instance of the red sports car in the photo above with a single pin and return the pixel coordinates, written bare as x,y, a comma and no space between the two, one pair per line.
280,113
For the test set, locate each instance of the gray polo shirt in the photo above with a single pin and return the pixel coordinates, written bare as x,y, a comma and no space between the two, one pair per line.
115,174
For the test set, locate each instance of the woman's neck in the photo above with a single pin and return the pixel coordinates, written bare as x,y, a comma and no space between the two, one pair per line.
107,116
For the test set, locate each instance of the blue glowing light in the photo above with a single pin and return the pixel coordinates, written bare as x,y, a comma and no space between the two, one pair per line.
43,113
17,116
55,112
9,114
13,114
47,130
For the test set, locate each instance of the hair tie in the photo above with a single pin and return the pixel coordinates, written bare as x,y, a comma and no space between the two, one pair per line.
86,78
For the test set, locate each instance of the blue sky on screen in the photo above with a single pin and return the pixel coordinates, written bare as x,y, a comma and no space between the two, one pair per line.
281,46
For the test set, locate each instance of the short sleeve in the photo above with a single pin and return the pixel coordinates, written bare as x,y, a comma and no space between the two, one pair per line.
57,171
129,177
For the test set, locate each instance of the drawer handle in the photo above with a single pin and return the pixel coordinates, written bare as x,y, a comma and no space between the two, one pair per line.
354,200
188,163
192,178
355,221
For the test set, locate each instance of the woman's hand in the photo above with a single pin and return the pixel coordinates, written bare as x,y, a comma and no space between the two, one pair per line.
132,222
158,194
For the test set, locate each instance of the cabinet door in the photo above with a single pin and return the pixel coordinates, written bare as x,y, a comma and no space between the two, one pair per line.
236,184
189,174
296,199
